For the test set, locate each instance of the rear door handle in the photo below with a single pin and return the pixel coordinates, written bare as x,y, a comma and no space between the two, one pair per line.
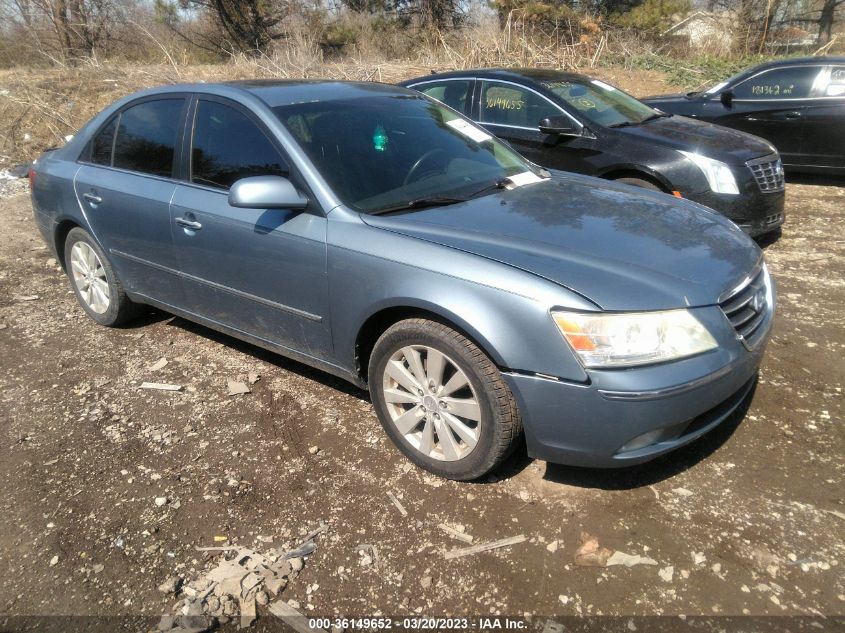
791,115
189,224
92,197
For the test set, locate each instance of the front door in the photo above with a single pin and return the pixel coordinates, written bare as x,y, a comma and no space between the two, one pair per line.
773,106
258,271
824,122
514,112
124,188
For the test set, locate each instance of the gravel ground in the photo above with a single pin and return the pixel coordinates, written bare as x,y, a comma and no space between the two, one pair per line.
109,488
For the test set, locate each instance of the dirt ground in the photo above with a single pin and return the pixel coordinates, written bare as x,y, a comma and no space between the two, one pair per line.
747,521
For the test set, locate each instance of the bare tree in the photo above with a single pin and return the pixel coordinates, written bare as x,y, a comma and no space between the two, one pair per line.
248,25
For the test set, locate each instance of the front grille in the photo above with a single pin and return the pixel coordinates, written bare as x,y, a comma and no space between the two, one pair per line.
768,172
747,307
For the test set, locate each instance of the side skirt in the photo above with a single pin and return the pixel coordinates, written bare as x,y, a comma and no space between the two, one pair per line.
305,359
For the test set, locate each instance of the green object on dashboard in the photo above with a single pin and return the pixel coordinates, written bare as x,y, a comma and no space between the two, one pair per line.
379,139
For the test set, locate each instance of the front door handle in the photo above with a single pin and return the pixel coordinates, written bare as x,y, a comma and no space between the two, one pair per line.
92,197
791,115
189,224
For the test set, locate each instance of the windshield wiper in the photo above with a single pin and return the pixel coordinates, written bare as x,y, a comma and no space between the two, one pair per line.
498,184
650,117
418,203
656,115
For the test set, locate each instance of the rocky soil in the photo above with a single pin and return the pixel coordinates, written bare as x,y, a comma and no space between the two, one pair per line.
109,489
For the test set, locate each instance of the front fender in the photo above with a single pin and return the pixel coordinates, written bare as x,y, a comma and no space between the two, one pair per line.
505,310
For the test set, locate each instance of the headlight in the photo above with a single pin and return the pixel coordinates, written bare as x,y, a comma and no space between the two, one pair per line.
719,175
633,338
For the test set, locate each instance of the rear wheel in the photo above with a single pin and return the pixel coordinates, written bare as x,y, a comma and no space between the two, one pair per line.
639,182
441,400
94,282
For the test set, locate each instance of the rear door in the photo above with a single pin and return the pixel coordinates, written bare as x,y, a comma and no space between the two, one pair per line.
259,271
773,105
124,188
824,122
513,112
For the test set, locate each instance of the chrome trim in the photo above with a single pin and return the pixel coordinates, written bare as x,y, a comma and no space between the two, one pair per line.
238,293
674,390
742,284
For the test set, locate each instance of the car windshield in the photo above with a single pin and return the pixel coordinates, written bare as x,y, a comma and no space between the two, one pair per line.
381,152
601,103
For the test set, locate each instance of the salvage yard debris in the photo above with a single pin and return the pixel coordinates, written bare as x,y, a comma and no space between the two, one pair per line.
397,503
483,547
591,554
455,533
161,363
237,387
234,586
160,386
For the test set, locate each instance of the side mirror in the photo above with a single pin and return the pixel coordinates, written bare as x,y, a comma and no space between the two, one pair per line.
559,125
266,192
727,98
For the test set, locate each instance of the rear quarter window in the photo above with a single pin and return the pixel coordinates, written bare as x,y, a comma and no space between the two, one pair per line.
100,148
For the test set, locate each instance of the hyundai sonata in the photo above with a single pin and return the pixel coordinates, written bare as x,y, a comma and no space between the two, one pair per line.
371,232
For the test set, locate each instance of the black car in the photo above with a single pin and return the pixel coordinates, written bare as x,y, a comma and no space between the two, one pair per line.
576,123
798,104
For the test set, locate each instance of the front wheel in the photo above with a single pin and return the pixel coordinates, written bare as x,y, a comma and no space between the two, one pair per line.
639,182
441,400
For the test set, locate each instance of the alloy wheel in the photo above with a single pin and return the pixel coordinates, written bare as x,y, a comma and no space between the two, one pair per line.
431,402
90,277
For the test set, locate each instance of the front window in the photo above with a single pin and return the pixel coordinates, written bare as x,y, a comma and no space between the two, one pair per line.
228,146
601,103
795,82
380,152
514,106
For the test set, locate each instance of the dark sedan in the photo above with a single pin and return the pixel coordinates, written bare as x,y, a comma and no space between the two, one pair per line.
797,104
575,123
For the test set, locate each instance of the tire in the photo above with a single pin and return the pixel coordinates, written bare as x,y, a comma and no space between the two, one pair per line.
464,450
639,182
99,278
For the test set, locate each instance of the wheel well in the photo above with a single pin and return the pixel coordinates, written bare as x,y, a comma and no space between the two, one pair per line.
633,173
64,227
378,324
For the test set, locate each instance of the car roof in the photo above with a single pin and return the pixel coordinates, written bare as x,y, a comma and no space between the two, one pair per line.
520,75
280,92
803,61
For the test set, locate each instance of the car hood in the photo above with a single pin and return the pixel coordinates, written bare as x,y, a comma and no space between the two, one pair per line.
714,141
620,247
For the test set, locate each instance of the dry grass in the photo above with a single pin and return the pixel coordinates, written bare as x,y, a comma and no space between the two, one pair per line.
39,107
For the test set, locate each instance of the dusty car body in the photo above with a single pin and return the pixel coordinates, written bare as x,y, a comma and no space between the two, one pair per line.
574,122
373,233
798,104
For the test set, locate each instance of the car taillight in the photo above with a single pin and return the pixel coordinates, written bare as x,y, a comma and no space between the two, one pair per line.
31,178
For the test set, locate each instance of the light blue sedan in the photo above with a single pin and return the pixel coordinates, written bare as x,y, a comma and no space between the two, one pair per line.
378,235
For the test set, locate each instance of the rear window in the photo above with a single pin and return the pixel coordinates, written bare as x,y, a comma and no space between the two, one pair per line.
146,137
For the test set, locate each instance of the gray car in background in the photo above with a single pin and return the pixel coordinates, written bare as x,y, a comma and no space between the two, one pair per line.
378,235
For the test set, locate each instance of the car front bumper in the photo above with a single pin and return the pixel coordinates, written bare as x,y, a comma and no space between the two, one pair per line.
626,417
753,211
